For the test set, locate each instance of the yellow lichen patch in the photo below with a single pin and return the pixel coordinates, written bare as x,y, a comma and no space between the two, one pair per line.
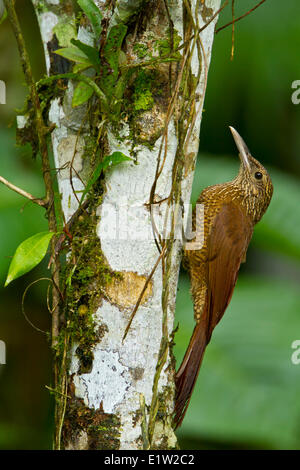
126,291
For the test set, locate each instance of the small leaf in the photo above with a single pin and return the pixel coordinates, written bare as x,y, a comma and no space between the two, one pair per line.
94,15
82,93
28,254
89,51
114,159
108,162
80,67
119,92
64,32
3,14
74,54
112,49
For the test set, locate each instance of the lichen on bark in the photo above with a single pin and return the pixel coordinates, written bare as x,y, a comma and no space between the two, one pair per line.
153,79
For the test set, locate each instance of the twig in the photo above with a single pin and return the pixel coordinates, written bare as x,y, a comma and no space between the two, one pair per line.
64,394
183,134
52,390
143,291
67,227
80,78
72,161
163,353
40,202
183,45
151,62
232,32
23,300
144,427
240,17
214,16
159,165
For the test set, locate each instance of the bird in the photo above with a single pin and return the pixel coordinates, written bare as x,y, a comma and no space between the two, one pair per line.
231,211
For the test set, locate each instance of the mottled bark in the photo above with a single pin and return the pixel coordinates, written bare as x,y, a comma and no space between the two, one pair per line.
114,392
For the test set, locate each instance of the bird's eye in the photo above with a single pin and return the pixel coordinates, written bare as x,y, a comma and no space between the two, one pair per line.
258,175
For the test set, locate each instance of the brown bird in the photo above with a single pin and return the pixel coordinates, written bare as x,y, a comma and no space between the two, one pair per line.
230,212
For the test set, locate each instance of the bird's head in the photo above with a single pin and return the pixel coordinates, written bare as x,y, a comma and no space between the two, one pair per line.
253,179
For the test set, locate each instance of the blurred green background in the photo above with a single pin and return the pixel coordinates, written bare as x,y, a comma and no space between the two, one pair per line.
247,394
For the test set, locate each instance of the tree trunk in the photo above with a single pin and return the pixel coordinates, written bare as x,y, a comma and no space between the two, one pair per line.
115,392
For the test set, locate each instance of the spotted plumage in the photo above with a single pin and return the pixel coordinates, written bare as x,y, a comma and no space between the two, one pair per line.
230,212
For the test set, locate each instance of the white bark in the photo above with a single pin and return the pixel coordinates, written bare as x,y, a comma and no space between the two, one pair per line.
123,370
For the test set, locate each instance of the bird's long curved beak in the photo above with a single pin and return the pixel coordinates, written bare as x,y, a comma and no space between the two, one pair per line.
242,147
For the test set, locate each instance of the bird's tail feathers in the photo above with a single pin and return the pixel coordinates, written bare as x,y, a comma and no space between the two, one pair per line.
187,373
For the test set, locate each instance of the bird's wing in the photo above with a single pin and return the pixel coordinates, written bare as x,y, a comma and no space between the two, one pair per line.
228,242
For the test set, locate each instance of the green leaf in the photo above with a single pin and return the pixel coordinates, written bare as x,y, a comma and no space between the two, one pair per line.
89,51
112,48
108,162
80,67
119,88
74,54
64,32
4,15
28,254
114,159
82,93
94,15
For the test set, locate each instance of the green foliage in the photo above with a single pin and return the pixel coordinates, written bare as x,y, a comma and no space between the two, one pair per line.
94,15
16,224
110,65
64,32
279,230
82,93
142,96
86,274
255,96
28,254
106,63
86,56
141,50
108,162
74,54
91,53
164,45
82,54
